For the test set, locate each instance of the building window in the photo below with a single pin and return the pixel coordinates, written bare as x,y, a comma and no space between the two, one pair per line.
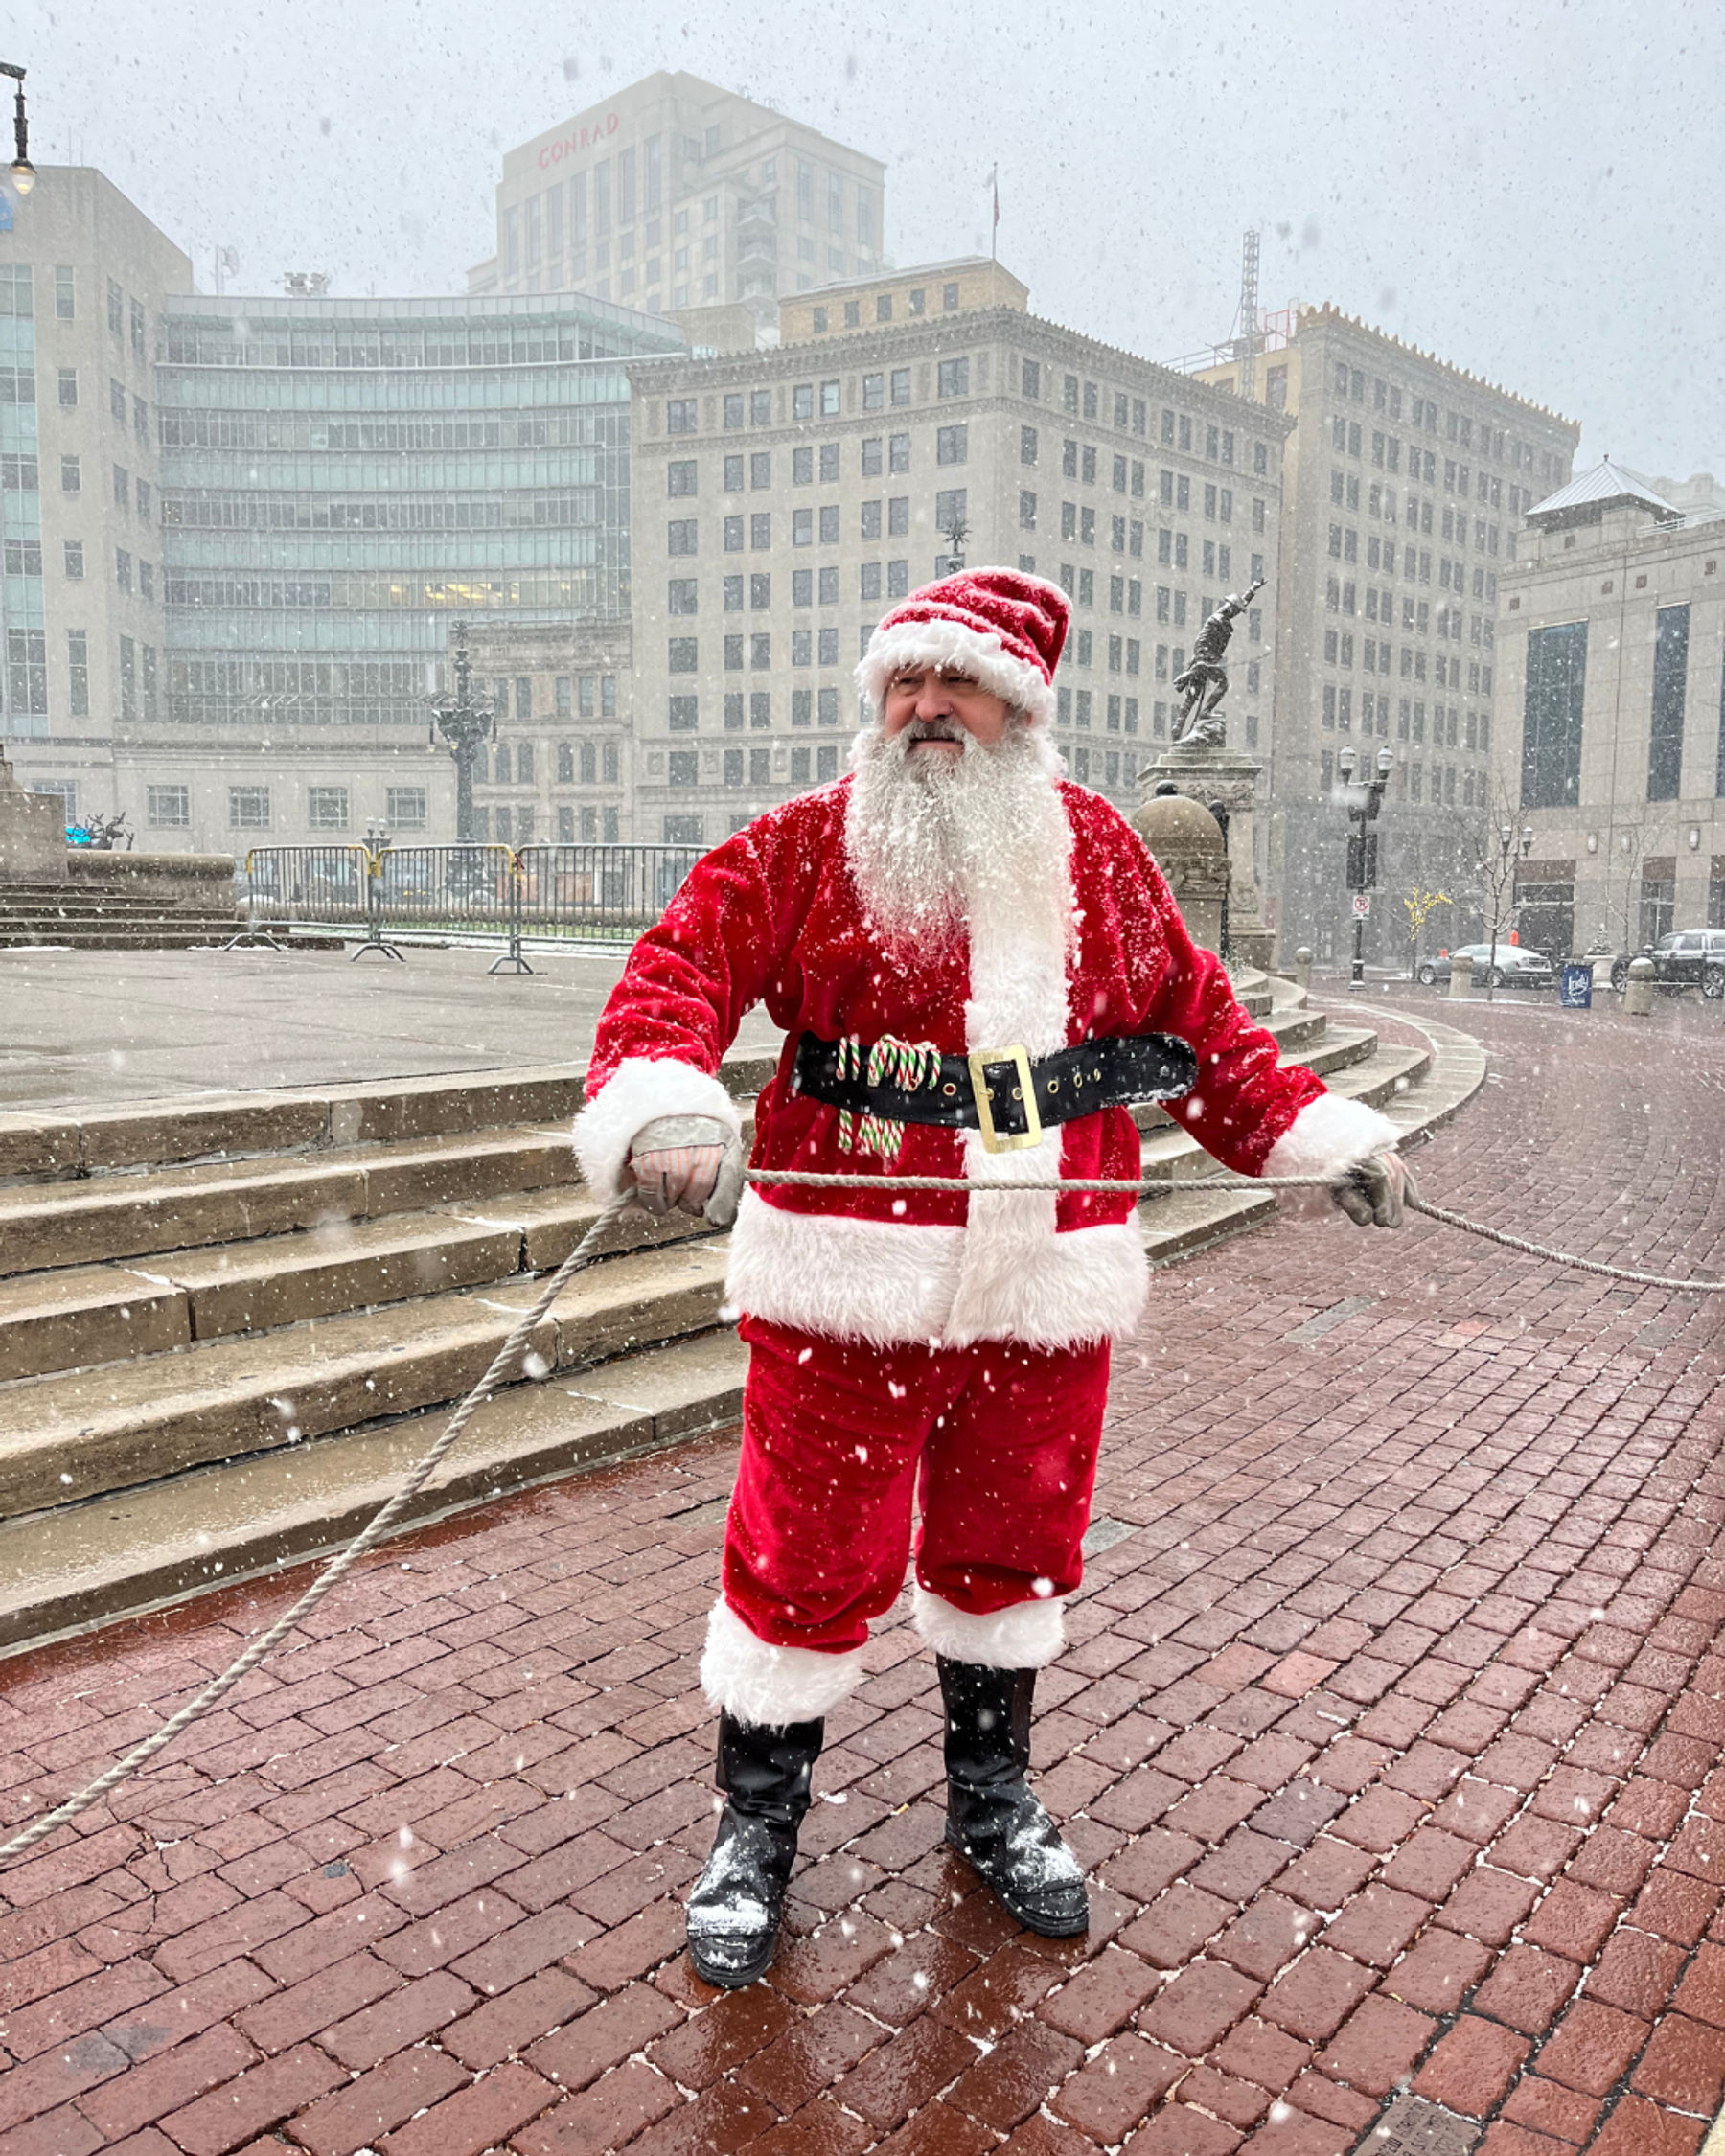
679,415
326,808
680,596
682,717
760,530
169,807
952,445
78,669
683,766
679,475
249,806
74,558
1552,716
733,534
68,388
1670,672
760,708
679,536
760,650
685,654
900,379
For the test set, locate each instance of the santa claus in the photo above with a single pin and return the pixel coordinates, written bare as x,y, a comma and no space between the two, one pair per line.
977,966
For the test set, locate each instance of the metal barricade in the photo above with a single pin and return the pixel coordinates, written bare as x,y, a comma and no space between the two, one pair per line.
288,887
599,893
481,893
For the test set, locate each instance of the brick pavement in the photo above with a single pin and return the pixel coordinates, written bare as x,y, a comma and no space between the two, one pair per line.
1389,1732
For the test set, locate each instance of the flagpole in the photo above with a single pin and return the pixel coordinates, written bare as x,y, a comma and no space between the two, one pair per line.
994,239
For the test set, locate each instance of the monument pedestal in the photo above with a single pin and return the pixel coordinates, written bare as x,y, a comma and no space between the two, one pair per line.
1186,842
32,833
1206,771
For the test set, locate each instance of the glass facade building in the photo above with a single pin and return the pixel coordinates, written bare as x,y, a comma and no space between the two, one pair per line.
342,478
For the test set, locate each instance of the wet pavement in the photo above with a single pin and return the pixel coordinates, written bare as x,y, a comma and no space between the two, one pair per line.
97,1028
1389,1732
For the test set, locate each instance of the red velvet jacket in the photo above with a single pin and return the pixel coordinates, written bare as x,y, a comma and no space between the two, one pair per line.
773,916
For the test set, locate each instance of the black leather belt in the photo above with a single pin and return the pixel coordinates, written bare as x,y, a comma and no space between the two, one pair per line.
999,1092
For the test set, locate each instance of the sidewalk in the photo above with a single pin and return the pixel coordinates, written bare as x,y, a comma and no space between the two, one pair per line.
1389,1731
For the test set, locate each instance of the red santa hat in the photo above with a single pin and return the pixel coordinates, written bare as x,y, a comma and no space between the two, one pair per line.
1001,626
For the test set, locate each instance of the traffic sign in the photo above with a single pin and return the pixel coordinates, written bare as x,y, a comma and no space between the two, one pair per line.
1362,906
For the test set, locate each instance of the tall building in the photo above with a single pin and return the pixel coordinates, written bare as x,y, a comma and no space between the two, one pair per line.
784,498
561,769
84,279
340,479
676,195
1405,479
1610,710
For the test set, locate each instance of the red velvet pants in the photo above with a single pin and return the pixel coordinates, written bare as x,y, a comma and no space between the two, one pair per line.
998,1443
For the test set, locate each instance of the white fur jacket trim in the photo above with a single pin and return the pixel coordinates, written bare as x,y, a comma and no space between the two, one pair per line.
1025,1636
1328,1134
641,1088
747,1677
890,1283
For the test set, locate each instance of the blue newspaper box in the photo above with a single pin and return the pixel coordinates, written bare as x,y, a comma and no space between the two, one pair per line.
1575,987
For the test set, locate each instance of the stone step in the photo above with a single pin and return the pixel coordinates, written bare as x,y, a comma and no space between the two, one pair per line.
47,1226
114,1556
229,1126
67,1437
58,936
83,1315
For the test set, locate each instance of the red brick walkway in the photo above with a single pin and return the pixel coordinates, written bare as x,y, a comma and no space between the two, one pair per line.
1390,1731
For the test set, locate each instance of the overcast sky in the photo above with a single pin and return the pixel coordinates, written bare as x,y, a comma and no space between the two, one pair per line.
1531,191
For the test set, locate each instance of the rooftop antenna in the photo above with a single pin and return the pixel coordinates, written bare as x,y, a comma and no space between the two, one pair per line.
1246,345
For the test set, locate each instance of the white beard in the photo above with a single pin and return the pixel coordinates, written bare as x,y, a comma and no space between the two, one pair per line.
937,843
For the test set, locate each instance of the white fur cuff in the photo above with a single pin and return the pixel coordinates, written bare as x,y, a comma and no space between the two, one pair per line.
1329,1134
745,1676
639,1089
1026,1636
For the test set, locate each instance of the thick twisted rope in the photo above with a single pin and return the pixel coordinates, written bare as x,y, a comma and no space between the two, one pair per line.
1413,1203
374,1531
385,1519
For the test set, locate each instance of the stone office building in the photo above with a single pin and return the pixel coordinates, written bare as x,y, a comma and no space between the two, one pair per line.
83,280
677,196
1405,480
784,498
561,768
1610,710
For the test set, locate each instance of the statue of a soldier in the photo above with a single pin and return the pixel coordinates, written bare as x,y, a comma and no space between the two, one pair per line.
1205,682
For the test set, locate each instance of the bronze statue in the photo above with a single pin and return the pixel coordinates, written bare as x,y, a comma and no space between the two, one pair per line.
1205,682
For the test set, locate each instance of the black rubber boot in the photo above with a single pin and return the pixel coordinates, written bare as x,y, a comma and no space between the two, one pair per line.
993,1819
734,1906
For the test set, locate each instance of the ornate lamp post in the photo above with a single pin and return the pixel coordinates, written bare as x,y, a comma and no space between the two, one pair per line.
1363,804
22,175
465,721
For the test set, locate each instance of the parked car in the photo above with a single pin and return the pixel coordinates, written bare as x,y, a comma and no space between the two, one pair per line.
1686,959
1515,966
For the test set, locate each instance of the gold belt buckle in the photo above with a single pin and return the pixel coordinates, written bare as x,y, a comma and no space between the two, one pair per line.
992,1140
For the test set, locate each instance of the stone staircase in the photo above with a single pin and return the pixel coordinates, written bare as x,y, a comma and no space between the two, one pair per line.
107,919
228,1324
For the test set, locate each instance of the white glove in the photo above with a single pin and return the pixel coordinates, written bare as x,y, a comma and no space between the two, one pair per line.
687,1163
1370,1194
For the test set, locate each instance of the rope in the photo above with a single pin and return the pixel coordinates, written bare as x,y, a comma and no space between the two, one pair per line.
1413,1203
338,1567
379,1528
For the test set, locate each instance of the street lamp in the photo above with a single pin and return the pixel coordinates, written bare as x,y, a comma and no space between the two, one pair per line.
23,173
1363,804
1500,882
466,722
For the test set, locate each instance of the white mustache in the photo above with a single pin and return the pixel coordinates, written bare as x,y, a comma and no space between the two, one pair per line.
933,729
